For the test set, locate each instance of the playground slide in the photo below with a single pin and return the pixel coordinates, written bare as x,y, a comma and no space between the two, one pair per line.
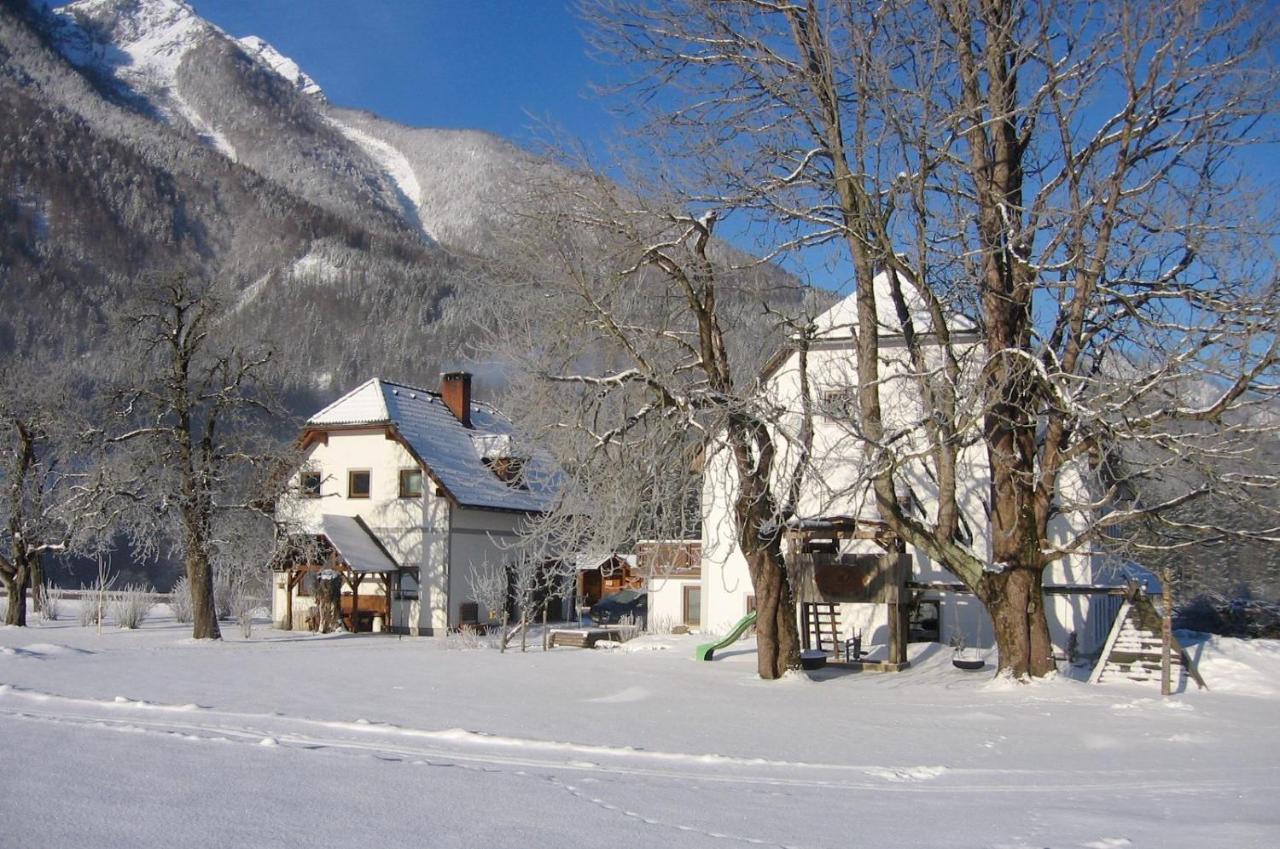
706,650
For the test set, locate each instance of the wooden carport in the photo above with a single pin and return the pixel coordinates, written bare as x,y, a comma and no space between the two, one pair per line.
346,546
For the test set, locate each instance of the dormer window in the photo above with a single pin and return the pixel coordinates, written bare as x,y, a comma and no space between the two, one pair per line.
309,484
411,483
359,483
507,469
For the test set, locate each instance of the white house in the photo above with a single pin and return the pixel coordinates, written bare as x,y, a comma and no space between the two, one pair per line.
672,573
406,491
836,496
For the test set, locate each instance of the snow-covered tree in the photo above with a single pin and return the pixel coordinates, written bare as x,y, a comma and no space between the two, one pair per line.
1074,176
186,441
633,338
37,432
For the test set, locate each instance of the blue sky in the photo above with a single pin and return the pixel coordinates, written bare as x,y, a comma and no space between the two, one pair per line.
476,64
495,65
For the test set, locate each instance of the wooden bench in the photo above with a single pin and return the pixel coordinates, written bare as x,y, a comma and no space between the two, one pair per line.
369,608
584,638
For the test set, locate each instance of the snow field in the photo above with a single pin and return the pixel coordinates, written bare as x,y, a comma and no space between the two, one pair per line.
290,739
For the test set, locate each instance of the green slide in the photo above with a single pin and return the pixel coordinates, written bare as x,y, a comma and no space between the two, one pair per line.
706,650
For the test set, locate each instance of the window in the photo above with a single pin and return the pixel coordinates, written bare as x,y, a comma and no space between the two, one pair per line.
358,483
836,403
411,483
408,584
693,605
309,484
508,470
751,604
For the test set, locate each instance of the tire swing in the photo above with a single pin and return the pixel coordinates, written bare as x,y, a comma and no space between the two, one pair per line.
960,657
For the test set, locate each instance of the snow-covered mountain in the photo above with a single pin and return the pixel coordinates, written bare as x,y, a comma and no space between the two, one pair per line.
239,96
160,54
142,44
139,138
281,64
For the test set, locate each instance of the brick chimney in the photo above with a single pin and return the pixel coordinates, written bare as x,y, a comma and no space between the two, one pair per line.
455,391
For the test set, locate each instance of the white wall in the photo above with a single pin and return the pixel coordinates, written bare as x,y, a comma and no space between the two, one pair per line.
836,488
666,601
445,543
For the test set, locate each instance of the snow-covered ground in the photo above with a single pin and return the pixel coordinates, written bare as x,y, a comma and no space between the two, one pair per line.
147,739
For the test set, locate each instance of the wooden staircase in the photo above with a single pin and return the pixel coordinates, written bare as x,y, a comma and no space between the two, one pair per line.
1133,649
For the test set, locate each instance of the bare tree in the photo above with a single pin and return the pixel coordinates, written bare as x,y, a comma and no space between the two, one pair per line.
1071,175
489,587
36,437
181,455
527,572
651,341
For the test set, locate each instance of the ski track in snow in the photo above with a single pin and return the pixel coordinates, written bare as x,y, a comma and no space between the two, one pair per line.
221,733
460,747
592,799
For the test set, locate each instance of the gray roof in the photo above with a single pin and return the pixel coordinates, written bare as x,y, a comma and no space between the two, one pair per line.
452,454
356,545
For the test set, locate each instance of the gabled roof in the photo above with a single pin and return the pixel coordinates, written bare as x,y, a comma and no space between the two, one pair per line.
835,326
453,455
837,322
362,405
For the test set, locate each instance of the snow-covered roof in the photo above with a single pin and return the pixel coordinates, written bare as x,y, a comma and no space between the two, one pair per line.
837,322
1119,573
588,561
453,455
356,545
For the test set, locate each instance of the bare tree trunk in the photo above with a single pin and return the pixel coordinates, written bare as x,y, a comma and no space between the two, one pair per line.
204,616
777,637
15,571
16,587
1015,600
328,602
1166,634
36,582
288,600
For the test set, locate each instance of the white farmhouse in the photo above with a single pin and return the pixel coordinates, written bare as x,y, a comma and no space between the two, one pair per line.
405,492
837,509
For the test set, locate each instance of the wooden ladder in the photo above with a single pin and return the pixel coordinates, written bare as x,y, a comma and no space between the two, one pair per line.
821,625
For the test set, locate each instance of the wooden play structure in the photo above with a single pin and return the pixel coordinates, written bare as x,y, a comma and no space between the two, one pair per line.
825,578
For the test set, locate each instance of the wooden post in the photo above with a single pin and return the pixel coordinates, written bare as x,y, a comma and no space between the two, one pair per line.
288,599
1166,633
897,630
896,595
391,584
355,579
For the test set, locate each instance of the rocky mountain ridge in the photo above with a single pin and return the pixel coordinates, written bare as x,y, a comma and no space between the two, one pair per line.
136,138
